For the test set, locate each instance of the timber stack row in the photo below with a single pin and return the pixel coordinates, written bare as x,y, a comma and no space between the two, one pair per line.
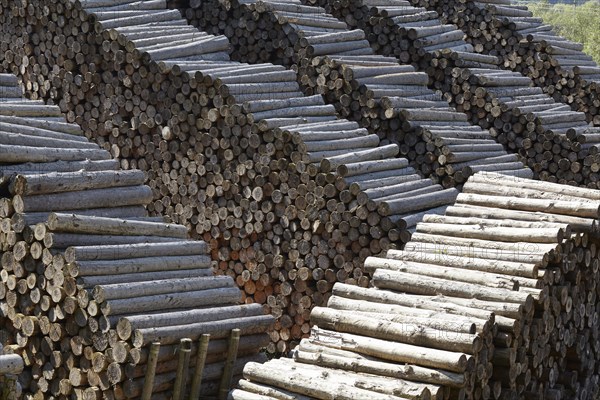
89,281
528,46
386,98
497,299
558,143
546,133
289,197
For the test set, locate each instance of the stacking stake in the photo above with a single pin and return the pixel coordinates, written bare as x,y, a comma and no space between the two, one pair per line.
185,349
200,360
234,341
150,371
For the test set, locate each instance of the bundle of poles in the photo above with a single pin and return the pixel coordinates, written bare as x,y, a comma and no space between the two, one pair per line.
89,281
288,197
388,99
555,141
497,299
528,46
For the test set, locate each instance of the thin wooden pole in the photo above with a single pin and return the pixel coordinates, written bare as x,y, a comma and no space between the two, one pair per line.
200,360
150,371
185,349
234,341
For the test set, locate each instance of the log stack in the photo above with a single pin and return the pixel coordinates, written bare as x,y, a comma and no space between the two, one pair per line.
556,142
270,100
497,299
233,151
276,32
89,281
528,46
398,29
388,99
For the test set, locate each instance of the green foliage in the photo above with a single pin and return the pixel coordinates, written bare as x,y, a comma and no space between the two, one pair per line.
579,23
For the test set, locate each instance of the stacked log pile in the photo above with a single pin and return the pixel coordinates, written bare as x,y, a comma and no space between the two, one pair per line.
496,299
271,102
277,32
555,141
397,29
234,151
528,46
388,99
88,281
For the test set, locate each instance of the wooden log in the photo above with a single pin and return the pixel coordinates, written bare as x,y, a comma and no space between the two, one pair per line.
192,298
532,235
579,209
126,325
342,321
146,250
11,364
28,154
467,211
438,271
27,185
60,166
296,383
398,352
532,184
62,240
398,313
419,202
93,198
131,267
217,329
111,226
430,286
130,290
353,362
267,391
89,282
241,394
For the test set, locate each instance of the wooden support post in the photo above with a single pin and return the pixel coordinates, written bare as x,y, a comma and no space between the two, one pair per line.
225,384
200,361
185,349
150,371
